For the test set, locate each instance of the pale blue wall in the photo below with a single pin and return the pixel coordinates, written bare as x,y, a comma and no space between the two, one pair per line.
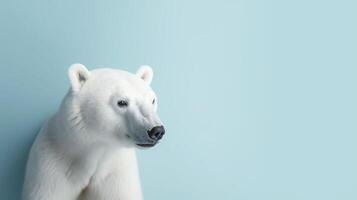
259,97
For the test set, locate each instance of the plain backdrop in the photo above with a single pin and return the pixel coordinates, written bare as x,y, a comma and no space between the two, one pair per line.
259,98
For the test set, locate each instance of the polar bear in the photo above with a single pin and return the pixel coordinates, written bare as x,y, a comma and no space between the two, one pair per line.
86,151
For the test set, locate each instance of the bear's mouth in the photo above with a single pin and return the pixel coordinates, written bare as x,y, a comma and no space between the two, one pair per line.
146,145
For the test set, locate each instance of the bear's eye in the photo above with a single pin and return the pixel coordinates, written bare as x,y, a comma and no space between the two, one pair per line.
153,101
122,103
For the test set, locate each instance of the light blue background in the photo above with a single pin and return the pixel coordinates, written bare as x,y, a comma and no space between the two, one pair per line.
259,98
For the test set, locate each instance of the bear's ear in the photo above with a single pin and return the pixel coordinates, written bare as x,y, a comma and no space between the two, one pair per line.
78,74
145,72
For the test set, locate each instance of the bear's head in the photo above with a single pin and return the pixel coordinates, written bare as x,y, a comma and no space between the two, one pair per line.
116,104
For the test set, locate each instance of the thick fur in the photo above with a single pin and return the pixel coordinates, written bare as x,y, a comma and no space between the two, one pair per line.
86,151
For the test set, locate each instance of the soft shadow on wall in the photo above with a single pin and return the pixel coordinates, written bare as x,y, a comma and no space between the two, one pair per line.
13,170
28,98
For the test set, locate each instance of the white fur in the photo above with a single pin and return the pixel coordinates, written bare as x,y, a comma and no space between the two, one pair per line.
86,151
145,72
78,74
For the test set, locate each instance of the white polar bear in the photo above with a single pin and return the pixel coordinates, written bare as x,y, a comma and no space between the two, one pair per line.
86,151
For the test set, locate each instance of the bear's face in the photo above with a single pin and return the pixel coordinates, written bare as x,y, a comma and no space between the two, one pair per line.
117,104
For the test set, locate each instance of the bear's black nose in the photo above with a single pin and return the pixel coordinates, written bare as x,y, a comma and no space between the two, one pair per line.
156,133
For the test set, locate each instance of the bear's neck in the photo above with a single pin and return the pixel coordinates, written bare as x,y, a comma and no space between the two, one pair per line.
118,167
